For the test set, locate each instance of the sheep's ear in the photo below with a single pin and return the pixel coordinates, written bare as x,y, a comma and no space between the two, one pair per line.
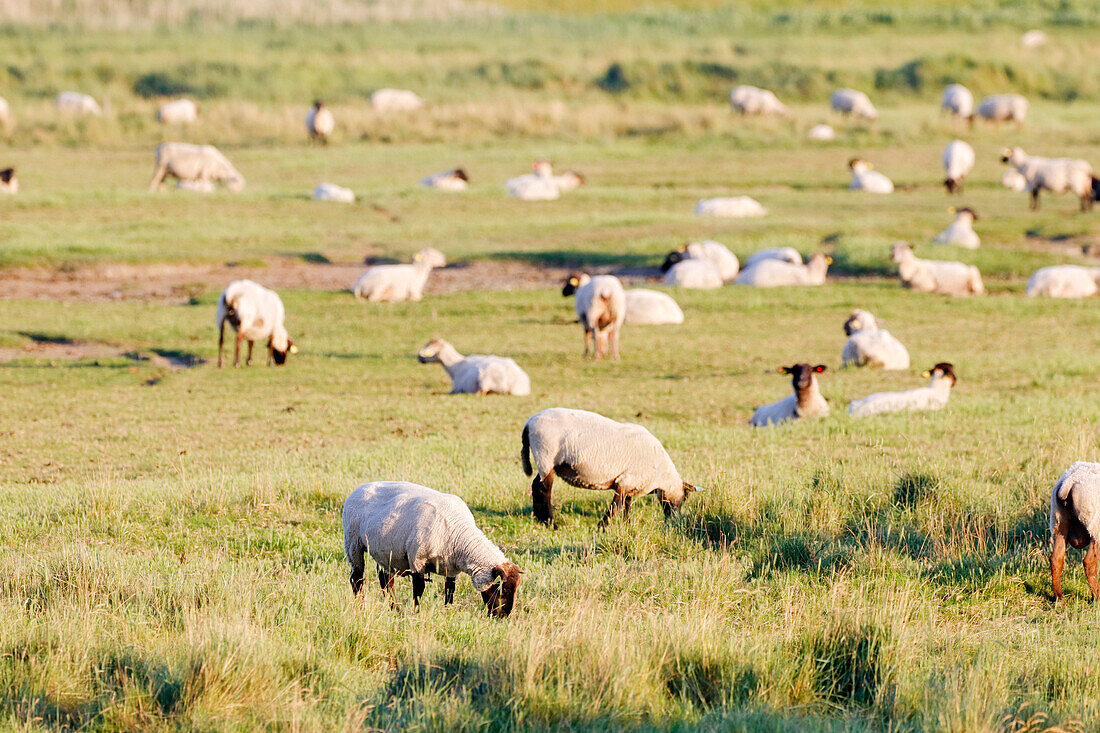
417,257
573,281
682,248
820,368
784,370
828,260
926,373
952,210
293,349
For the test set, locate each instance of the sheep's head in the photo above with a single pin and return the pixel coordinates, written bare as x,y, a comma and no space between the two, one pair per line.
943,370
900,251
860,320
279,356
317,105
235,182
1013,156
500,594
431,257
570,180
7,174
963,212
543,167
461,175
802,375
677,255
858,165
430,352
574,281
673,500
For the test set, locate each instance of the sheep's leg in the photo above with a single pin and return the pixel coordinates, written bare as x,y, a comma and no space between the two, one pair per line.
616,505
1035,200
614,339
588,339
1092,560
449,592
357,570
248,361
237,353
221,341
385,579
158,178
626,509
1057,560
540,497
418,588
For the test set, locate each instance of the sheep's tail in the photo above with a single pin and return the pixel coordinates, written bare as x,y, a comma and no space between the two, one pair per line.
1065,489
525,450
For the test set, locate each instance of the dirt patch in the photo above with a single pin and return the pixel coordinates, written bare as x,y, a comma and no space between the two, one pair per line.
43,347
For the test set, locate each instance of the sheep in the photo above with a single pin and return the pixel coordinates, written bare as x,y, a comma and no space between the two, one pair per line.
7,120
320,123
650,308
961,232
1004,108
75,103
933,397
822,133
8,182
390,283
1064,281
409,529
177,112
750,100
805,402
935,276
542,185
477,373
395,100
771,273
590,451
1033,38
698,274
257,314
958,161
724,261
730,207
853,103
332,192
1056,175
1016,180
452,180
1075,520
786,254
600,303
865,179
189,162
869,345
958,102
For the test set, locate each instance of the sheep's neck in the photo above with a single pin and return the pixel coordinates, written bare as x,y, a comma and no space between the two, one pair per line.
475,555
809,398
448,356
941,386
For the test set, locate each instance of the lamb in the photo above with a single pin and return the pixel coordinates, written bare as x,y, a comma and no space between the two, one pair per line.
822,133
409,529
1064,281
933,397
590,451
865,179
477,373
1056,175
699,274
853,103
320,123
1033,38
257,314
390,283
724,261
332,192
452,180
750,100
177,112
600,303
869,345
1004,108
395,100
731,207
1075,519
958,161
650,308
189,162
958,101
961,232
786,254
1015,180
935,276
538,186
805,402
75,103
771,273
8,182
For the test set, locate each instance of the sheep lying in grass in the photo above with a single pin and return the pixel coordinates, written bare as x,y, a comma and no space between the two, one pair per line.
958,102
786,254
865,179
590,451
958,161
730,207
452,180
961,232
869,345
395,100
650,308
319,122
7,119
542,185
694,274
821,133
1064,281
75,103
332,192
390,283
257,314
8,182
853,103
724,261
600,303
772,273
1056,175
477,373
1075,519
1003,108
409,529
177,112
750,100
933,397
805,402
187,162
935,276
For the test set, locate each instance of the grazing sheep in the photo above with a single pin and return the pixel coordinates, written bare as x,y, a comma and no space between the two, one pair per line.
1033,39
935,276
1015,180
750,100
786,254
724,261
395,100
1075,519
257,314
1056,175
772,273
590,451
1064,281
730,207
1004,108
477,373
805,402
958,161
958,101
695,274
822,133
542,185
865,179
600,303
650,308
853,103
409,529
452,180
177,112
75,103
319,122
961,232
189,162
8,182
332,192
933,397
869,345
391,283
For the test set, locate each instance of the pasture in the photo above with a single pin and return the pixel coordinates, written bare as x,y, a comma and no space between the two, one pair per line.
171,555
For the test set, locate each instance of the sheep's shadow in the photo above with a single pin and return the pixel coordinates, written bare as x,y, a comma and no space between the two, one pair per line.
47,338
577,259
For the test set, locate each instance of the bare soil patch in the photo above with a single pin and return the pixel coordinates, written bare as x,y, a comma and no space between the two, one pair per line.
46,347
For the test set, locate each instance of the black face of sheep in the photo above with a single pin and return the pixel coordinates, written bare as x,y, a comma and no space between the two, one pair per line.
279,357
802,375
669,506
968,210
7,174
500,597
946,369
571,284
461,175
950,184
672,258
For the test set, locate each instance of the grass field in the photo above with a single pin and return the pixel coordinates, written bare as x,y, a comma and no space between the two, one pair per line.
171,555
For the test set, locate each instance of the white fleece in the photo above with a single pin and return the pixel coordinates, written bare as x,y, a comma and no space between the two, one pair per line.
870,345
960,233
700,274
772,273
791,407
390,283
332,192
258,310
936,276
957,100
958,160
750,100
477,373
178,111
446,181
730,207
189,162
854,103
786,254
1003,108
1056,175
395,100
1080,486
932,397
865,179
1064,281
650,308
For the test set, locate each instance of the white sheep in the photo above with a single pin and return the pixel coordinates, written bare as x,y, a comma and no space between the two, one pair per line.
805,402
1056,175
933,397
1075,520
1033,38
319,122
395,100
476,374
75,103
772,273
409,529
257,314
650,308
961,231
332,192
786,254
854,103
177,112
750,100
542,185
730,207
1004,108
390,283
822,133
1064,281
8,182
692,273
958,161
865,179
7,119
600,303
1015,180
935,276
869,345
590,451
189,162
452,180
724,261
958,101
